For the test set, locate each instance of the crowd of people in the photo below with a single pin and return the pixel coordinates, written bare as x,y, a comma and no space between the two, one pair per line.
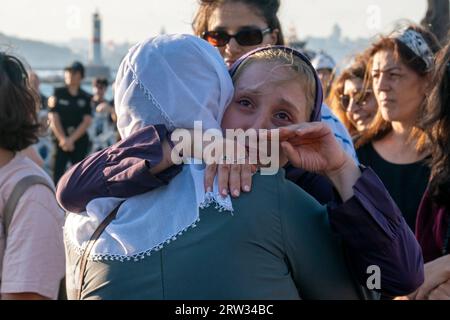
363,179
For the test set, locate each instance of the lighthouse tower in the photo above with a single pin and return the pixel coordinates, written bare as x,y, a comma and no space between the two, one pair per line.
95,67
95,52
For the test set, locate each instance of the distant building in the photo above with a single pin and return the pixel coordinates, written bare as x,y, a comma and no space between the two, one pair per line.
95,67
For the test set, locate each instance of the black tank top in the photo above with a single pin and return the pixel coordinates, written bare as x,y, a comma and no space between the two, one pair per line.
406,183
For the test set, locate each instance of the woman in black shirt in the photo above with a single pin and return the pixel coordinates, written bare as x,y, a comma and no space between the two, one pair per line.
395,147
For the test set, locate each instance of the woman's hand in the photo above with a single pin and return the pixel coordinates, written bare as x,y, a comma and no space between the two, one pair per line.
437,281
314,148
234,175
232,179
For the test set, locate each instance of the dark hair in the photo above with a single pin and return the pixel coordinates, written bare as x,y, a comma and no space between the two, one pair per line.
19,125
437,125
101,81
380,127
268,9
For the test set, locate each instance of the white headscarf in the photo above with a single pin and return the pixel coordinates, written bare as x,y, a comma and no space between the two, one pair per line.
172,80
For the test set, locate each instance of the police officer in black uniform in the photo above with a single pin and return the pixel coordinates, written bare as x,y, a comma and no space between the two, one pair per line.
70,117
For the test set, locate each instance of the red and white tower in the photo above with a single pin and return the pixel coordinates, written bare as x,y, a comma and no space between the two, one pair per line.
95,51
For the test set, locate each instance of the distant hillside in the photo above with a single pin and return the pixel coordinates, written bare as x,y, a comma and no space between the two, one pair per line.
43,55
340,48
38,54
50,56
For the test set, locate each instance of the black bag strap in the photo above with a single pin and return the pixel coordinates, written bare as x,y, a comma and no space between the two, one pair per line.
21,187
84,258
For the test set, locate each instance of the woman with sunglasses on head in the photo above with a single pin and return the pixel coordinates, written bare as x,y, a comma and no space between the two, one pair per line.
433,218
395,147
352,101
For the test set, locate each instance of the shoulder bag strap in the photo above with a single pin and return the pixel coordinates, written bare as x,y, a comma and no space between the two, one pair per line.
90,245
18,191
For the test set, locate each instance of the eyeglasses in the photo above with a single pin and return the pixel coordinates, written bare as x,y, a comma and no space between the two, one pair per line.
245,37
360,99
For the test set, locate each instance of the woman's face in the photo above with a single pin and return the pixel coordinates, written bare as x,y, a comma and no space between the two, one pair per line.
232,17
360,107
266,97
398,89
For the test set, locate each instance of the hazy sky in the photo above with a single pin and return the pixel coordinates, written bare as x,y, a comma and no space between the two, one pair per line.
134,20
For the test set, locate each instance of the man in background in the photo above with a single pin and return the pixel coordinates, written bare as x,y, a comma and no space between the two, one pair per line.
70,116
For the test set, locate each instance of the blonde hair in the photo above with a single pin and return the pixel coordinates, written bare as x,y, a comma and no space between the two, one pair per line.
283,58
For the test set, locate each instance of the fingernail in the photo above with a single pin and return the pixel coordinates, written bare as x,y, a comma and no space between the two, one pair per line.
209,189
236,193
247,189
225,192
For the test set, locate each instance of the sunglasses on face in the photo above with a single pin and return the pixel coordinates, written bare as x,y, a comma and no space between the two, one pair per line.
245,37
360,99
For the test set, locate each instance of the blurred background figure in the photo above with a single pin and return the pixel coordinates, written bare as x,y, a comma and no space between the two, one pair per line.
35,84
325,66
99,101
103,132
352,99
38,152
70,118
99,87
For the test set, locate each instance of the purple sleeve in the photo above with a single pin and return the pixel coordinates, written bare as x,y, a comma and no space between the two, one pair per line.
376,234
121,171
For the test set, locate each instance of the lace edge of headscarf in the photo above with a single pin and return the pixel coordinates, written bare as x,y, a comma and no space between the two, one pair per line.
220,204
210,199
152,99
123,258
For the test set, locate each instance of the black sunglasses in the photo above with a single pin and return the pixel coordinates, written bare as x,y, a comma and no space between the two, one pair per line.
360,99
245,37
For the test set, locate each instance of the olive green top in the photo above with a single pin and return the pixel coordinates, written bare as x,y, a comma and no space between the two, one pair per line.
277,245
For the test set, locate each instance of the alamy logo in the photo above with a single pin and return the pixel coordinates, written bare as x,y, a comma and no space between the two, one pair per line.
255,147
374,280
